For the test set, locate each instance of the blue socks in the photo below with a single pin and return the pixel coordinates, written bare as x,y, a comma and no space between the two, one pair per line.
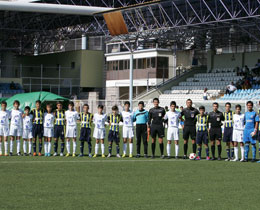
117,149
207,152
89,147
40,147
34,146
228,152
81,147
246,151
254,151
62,147
55,147
199,151
110,148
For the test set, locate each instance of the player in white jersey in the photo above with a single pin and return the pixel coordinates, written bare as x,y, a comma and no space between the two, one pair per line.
16,127
4,127
48,129
27,131
173,118
128,129
71,117
99,120
238,130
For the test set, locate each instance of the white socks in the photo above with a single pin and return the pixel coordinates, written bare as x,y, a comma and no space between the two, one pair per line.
30,147
11,146
124,148
46,147
18,146
96,148
49,147
24,146
74,147
130,148
68,146
6,147
236,153
103,149
1,152
176,150
242,152
168,148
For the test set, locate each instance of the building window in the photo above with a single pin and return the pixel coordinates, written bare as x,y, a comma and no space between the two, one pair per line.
162,62
121,65
153,62
115,65
72,65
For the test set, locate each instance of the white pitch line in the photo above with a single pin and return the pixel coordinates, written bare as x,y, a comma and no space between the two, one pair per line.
88,161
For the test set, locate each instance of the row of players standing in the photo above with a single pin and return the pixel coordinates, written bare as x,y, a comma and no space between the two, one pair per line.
38,123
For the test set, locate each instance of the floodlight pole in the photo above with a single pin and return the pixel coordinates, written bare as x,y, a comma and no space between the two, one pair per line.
131,70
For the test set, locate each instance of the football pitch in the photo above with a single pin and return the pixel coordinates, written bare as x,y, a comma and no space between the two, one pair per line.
129,183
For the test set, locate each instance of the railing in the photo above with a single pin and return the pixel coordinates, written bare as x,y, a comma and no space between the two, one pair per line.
60,86
179,74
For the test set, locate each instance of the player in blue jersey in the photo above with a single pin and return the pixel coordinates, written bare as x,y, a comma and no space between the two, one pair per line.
251,125
141,119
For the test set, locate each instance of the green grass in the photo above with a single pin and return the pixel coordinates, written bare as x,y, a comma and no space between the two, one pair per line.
84,183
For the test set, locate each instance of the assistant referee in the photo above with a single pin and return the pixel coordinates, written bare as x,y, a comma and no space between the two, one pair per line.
155,123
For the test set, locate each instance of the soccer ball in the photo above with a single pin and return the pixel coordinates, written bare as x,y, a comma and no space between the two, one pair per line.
192,156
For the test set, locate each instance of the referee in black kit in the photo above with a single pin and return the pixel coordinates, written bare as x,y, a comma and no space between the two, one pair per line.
155,123
189,127
215,131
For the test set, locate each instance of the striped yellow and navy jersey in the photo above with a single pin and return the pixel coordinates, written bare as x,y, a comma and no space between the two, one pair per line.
114,121
202,122
37,116
228,119
59,117
86,120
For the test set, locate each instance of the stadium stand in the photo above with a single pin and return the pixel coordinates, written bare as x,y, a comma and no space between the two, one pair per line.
215,81
6,91
249,94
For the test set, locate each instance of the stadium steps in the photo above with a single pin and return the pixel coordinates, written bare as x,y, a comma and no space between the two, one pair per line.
175,81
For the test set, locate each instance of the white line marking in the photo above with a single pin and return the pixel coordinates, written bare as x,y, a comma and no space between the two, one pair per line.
88,161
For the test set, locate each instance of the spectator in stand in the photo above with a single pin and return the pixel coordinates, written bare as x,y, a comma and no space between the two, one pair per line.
205,94
247,84
256,70
12,86
231,88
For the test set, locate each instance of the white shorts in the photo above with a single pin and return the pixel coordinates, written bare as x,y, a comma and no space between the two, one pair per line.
128,132
172,133
4,130
48,132
99,133
27,134
71,132
237,136
15,131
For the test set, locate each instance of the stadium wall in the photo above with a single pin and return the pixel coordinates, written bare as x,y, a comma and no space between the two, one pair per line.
232,60
87,65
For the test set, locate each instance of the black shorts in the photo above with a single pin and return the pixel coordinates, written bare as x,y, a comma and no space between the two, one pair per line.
157,130
59,132
215,134
202,137
85,134
258,135
228,135
37,130
189,131
113,136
